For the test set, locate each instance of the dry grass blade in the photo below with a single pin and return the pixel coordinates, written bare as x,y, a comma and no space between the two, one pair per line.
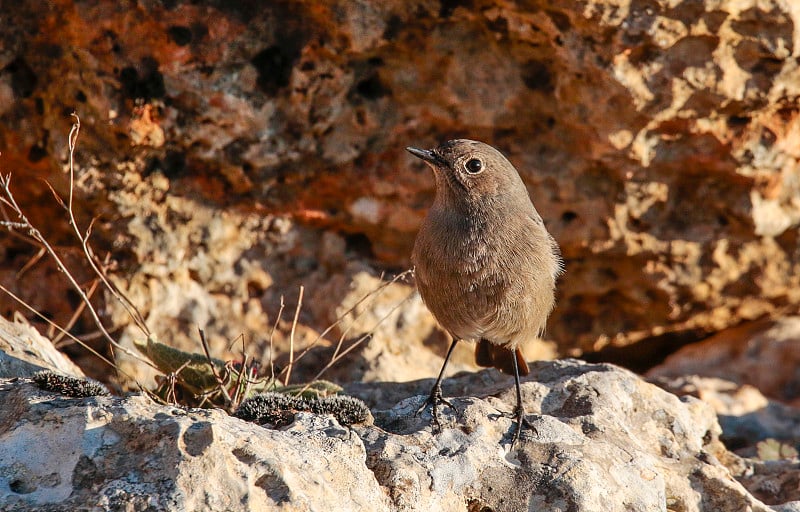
238,390
56,338
5,184
72,337
72,141
399,277
271,346
339,355
220,381
291,337
31,262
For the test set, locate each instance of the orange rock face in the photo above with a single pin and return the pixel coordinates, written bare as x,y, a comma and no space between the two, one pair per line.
658,141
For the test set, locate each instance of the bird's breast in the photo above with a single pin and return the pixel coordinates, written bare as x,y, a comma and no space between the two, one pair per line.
481,281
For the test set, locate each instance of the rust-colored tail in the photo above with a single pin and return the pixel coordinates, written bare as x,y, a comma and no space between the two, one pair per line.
489,354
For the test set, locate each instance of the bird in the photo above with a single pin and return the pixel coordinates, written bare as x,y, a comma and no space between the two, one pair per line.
485,265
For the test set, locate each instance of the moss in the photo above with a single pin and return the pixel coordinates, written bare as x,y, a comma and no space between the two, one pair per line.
275,409
69,386
347,410
278,409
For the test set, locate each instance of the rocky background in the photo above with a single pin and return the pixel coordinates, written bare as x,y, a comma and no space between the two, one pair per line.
243,163
231,154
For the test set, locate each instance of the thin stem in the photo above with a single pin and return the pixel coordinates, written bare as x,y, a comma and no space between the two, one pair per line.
271,348
291,337
35,233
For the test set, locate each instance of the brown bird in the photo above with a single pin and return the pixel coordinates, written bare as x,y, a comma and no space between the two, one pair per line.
485,264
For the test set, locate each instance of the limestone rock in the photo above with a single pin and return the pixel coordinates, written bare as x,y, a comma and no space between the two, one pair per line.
745,415
112,453
604,440
764,355
23,351
774,482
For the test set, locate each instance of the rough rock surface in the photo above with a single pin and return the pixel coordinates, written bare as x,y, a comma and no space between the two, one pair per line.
114,454
764,355
744,413
23,351
604,440
658,139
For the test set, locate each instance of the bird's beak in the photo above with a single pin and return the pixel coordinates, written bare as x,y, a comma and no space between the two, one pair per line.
425,154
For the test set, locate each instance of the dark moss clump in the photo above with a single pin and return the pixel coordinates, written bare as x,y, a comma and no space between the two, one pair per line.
274,409
68,386
346,409
278,409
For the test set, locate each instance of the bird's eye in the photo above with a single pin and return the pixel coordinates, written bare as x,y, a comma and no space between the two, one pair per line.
474,166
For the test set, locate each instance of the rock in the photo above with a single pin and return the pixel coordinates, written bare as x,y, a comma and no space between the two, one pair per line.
591,421
399,337
774,481
24,352
748,419
113,453
658,140
603,440
763,354
747,374
745,415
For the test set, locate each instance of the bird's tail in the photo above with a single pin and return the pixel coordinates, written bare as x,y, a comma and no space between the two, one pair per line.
497,356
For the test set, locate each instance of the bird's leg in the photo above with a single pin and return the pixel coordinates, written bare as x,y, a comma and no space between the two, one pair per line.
519,410
435,397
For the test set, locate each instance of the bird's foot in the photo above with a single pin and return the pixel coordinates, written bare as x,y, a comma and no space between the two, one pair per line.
519,412
433,402
520,422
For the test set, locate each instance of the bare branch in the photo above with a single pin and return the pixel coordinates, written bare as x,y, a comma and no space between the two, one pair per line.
36,234
73,139
130,308
77,313
60,329
55,194
338,356
13,225
31,262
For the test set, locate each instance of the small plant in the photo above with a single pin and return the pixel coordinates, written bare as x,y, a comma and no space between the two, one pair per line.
202,381
68,386
189,379
278,409
772,449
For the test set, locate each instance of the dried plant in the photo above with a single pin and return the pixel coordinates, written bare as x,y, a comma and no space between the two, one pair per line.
187,378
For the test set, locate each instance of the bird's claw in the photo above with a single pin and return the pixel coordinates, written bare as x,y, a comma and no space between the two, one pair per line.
433,401
521,420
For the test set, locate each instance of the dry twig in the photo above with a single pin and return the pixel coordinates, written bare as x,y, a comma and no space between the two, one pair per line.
337,356
291,337
23,223
219,379
56,338
60,329
399,277
9,200
271,336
